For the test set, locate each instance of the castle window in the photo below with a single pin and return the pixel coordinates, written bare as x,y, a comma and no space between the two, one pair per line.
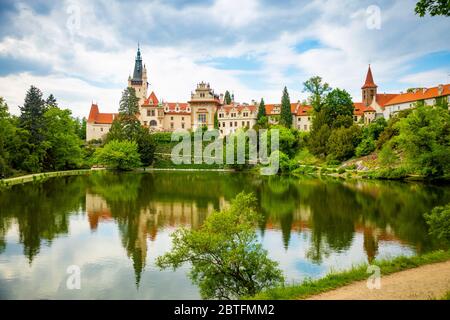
182,118
171,125
245,114
305,127
171,118
202,118
182,125
243,123
248,124
231,124
235,124
101,129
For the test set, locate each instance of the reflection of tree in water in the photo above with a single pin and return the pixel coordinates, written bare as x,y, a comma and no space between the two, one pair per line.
143,203
337,209
41,210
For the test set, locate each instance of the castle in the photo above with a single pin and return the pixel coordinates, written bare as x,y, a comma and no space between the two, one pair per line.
204,103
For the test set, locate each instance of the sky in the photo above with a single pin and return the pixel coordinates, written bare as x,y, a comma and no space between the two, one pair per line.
83,51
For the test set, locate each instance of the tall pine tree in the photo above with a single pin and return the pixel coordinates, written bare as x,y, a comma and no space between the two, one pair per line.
286,115
227,97
32,113
129,103
261,109
51,101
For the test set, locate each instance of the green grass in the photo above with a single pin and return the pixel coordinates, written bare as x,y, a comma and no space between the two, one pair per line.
447,296
335,280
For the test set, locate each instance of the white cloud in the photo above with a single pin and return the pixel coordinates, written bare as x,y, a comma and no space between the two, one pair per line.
72,93
94,63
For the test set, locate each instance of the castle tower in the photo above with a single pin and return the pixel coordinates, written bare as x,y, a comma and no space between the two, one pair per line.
204,103
139,79
369,89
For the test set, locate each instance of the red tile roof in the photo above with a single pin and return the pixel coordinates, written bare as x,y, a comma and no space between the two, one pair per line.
270,108
239,108
151,100
172,108
100,118
383,99
303,110
421,94
360,109
369,80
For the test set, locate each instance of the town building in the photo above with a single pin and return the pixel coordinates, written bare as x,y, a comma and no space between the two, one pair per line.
204,105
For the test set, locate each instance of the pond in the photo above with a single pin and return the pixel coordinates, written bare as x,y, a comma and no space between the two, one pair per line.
113,226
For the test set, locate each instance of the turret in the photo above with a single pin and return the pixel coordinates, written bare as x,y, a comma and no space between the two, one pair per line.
369,89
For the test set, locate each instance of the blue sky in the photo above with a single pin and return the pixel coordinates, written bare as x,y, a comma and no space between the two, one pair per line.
83,51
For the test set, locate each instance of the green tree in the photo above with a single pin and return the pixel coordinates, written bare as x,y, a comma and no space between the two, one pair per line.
424,139
342,142
261,110
7,132
64,145
438,221
317,91
216,121
433,7
146,147
129,103
370,134
318,140
227,98
288,142
32,120
338,109
227,261
119,155
286,115
32,113
81,128
51,101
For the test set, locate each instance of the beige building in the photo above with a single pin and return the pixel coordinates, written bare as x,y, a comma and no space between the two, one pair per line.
176,116
98,124
235,116
204,104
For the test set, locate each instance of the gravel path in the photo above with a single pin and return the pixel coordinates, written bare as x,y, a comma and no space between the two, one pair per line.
427,282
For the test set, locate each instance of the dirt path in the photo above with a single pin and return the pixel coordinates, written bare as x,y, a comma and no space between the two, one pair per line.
426,282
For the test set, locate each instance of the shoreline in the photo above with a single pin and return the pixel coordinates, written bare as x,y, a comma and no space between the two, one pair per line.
316,173
335,281
37,177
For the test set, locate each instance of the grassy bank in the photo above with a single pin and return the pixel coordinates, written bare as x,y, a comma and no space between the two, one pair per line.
40,177
335,280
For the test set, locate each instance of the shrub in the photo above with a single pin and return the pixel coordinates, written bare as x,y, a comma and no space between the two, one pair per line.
120,155
438,221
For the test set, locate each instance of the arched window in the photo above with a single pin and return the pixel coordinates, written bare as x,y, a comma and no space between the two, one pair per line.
153,123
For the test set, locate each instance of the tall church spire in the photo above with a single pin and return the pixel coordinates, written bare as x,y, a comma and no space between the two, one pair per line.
369,80
138,69
369,89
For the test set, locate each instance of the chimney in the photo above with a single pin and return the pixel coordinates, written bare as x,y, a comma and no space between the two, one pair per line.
440,89
424,90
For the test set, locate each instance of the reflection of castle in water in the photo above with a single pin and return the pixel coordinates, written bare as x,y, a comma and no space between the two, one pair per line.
144,225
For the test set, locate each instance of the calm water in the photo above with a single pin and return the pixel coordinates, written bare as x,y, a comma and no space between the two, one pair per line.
113,226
